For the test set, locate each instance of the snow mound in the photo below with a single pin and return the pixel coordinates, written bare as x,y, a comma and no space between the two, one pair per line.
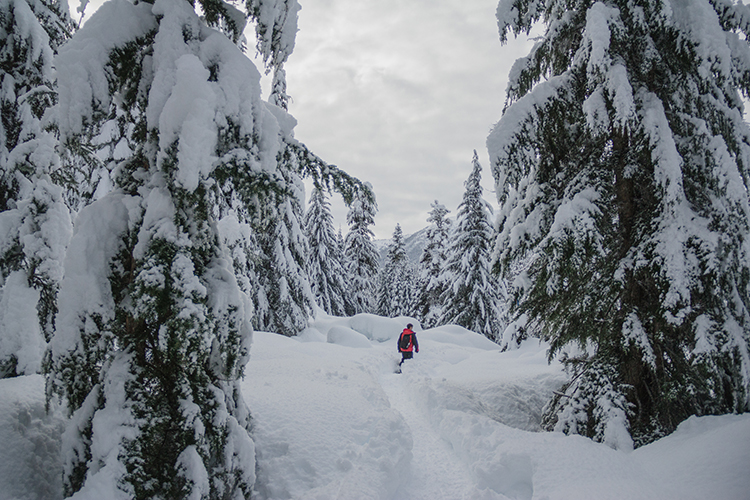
509,387
347,337
702,453
460,336
379,328
311,334
376,328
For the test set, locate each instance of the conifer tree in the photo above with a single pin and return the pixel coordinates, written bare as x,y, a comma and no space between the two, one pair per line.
396,283
360,253
34,221
324,264
284,300
432,279
473,298
154,330
621,164
340,247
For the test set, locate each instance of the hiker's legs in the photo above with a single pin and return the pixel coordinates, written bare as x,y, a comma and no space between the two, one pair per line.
406,355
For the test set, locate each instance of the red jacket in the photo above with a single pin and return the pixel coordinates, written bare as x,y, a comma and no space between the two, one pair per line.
413,345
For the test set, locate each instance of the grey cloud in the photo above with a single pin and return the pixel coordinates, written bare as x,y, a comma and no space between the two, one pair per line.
400,94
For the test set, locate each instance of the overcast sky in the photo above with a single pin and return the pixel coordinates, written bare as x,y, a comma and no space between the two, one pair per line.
399,94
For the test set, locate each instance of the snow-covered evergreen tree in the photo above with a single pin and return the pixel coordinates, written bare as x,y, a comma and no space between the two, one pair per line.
340,246
326,271
34,221
361,257
284,301
275,29
433,281
397,280
474,298
622,167
154,330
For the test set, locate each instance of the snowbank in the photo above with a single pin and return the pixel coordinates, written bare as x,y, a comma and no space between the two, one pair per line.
347,337
30,466
381,329
701,454
373,327
460,336
509,387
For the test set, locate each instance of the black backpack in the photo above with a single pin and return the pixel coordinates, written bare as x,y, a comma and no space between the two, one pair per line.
405,341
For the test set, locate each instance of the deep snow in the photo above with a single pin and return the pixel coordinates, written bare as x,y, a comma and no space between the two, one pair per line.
331,420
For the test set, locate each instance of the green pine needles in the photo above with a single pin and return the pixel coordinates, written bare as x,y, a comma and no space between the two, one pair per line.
621,164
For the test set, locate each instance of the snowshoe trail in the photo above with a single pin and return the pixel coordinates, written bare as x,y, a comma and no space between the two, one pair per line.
436,472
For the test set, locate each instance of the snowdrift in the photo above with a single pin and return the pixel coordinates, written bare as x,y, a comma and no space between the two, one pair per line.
30,466
331,419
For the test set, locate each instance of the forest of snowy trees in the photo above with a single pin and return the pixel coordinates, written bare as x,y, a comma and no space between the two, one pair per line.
153,214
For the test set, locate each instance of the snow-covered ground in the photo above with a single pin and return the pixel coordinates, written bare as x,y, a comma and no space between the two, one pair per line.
333,421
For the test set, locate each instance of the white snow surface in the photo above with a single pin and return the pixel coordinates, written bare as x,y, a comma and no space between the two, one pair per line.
20,334
331,420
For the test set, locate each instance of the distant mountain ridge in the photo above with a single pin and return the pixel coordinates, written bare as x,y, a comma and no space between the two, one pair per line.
414,244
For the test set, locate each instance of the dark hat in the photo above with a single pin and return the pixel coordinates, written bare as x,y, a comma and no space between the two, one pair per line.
409,326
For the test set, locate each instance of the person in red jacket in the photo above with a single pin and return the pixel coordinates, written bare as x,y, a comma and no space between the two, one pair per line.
407,343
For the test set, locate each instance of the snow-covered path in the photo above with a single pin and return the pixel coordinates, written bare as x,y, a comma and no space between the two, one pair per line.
435,471
332,421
